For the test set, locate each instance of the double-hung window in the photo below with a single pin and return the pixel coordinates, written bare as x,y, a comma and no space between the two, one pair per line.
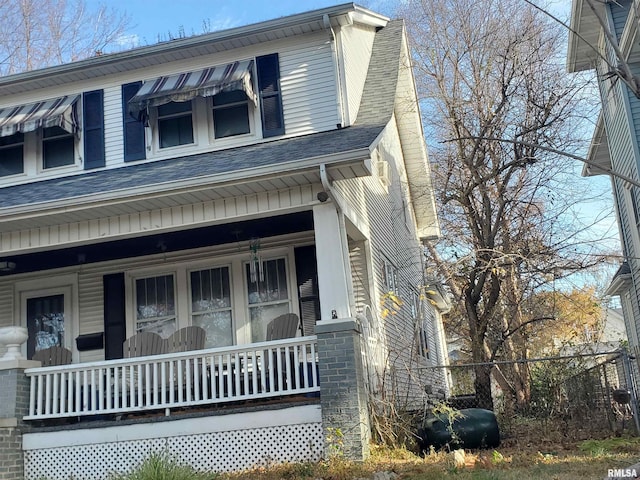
211,306
156,305
11,155
268,295
175,124
230,114
57,148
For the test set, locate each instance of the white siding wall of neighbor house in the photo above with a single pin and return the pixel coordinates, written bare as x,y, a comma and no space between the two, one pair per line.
356,43
393,238
309,95
621,112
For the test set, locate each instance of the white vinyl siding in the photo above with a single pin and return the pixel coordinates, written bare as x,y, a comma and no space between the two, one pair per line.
113,135
356,43
307,79
393,241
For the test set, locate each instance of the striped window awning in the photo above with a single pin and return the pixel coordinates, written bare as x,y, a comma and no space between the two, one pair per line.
185,86
56,112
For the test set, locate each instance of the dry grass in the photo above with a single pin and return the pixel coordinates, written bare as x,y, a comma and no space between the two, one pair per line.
588,460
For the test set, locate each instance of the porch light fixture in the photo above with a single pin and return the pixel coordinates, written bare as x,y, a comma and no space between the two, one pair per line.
256,270
6,266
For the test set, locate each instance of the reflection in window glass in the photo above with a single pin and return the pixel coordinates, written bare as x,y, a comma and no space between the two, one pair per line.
175,124
11,155
230,114
155,305
268,298
211,305
57,148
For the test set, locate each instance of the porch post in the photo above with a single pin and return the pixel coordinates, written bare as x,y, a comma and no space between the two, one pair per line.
345,415
14,405
332,275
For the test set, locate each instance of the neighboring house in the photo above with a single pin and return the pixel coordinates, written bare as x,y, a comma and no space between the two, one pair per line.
219,180
615,145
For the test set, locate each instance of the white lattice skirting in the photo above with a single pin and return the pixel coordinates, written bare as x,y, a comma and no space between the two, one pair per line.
218,443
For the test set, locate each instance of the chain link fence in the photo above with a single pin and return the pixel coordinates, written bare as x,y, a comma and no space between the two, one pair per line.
552,400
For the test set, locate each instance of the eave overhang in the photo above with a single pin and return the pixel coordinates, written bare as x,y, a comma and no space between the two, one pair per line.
621,282
170,183
598,153
190,47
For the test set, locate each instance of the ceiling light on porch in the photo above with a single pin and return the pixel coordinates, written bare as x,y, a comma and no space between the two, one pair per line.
7,266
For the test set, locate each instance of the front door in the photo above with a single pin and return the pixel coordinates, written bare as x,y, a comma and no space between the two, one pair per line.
45,322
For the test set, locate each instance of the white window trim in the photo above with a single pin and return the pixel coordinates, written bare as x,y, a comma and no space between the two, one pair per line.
255,125
46,286
155,129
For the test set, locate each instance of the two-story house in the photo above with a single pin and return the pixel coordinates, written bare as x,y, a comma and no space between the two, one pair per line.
615,146
219,181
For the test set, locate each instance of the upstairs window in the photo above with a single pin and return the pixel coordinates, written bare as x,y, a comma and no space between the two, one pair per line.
230,114
54,125
11,155
57,148
175,124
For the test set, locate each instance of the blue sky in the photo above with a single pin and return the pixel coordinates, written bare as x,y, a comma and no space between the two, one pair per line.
153,20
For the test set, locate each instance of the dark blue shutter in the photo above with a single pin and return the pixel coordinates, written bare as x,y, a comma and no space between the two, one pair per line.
93,129
268,68
133,129
307,280
115,328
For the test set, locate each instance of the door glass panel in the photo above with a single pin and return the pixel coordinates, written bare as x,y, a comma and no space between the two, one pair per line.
211,305
45,323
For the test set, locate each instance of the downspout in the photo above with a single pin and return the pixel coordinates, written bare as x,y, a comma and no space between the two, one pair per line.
342,231
341,104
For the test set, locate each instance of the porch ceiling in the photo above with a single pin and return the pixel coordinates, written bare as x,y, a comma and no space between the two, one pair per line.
165,184
166,242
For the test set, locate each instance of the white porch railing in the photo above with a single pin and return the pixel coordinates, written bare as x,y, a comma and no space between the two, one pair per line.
201,377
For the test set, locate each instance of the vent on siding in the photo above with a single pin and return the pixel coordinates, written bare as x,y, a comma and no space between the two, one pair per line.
382,171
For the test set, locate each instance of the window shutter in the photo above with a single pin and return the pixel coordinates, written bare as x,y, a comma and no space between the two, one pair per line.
268,67
93,129
307,279
115,329
133,129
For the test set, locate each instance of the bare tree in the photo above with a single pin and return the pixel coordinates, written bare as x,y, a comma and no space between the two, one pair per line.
41,33
489,70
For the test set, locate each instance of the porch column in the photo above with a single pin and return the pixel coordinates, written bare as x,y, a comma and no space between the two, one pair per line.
345,414
14,405
332,275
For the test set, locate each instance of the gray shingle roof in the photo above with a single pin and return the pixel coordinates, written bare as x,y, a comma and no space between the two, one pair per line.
375,111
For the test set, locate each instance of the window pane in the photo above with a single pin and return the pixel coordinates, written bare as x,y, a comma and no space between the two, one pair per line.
229,121
175,131
211,305
218,326
155,305
11,162
45,323
261,316
58,152
172,108
11,139
225,98
274,285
